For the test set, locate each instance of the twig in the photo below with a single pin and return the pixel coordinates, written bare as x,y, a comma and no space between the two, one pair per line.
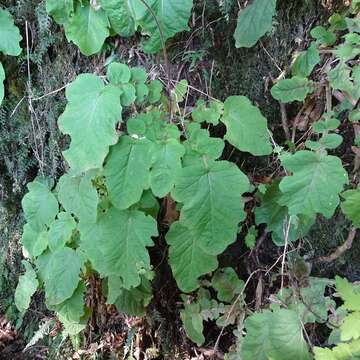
284,121
51,93
340,250
286,233
328,98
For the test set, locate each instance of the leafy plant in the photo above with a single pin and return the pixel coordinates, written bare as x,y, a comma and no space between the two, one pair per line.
89,23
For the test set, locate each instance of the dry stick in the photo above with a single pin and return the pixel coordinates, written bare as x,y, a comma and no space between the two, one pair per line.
340,250
31,109
287,231
284,121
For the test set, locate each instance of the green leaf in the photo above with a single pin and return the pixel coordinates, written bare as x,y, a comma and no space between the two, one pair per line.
40,206
166,162
211,194
326,125
306,61
62,275
187,258
149,204
26,287
227,284
210,114
199,144
339,78
193,323
348,294
60,231
253,22
34,243
346,51
118,73
71,311
250,238
315,184
122,15
60,10
276,216
116,244
179,92
246,126
288,90
155,90
127,171
340,352
9,35
350,328
90,117
351,206
172,16
2,79
87,28
274,335
132,302
78,196
323,36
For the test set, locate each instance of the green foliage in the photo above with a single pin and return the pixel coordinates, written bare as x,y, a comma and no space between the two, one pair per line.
288,90
351,206
88,24
253,22
246,126
265,341
306,61
227,284
26,288
315,185
92,129
2,78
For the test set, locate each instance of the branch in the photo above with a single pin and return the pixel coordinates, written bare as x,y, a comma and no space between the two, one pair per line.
340,250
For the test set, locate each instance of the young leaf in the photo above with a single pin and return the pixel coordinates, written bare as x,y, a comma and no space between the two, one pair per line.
323,36
26,287
193,323
350,328
288,90
87,28
118,73
227,284
172,16
78,196
90,116
306,61
62,275
274,335
315,184
9,35
246,126
351,206
116,244
339,78
253,22
127,171
210,114
2,78
60,231
40,206
348,294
